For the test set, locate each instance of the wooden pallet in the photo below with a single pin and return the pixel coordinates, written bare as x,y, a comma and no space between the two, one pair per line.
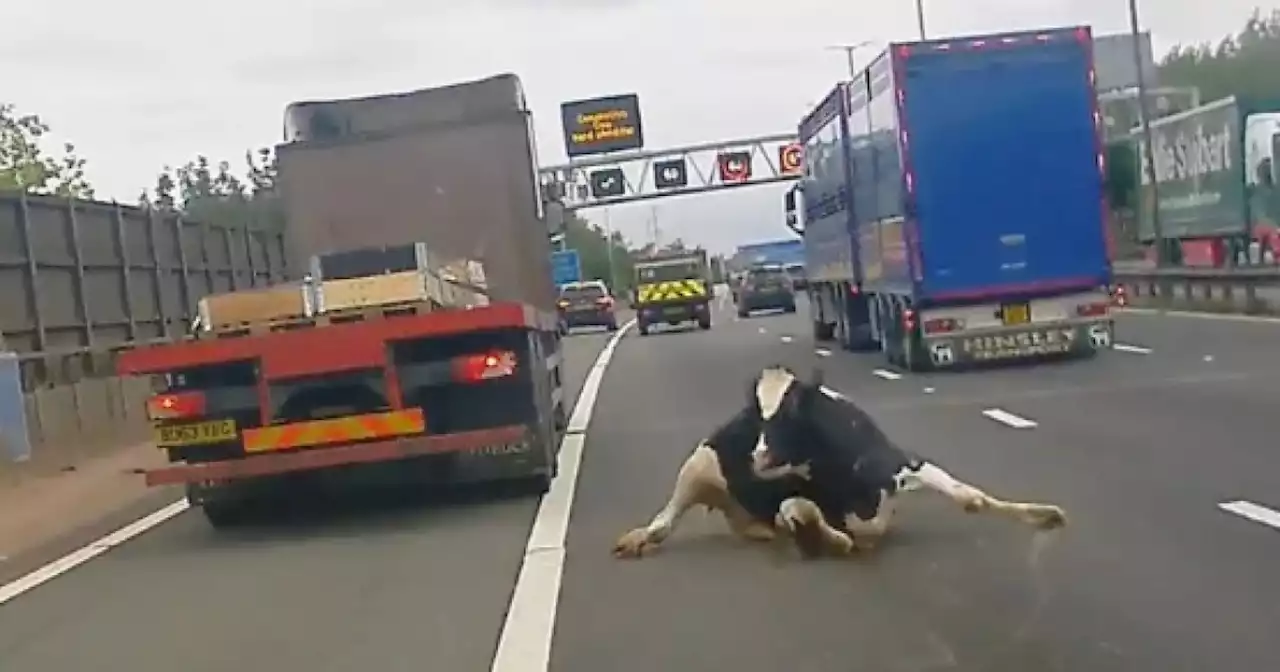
325,319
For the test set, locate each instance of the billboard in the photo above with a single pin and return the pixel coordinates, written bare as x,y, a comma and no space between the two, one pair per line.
601,125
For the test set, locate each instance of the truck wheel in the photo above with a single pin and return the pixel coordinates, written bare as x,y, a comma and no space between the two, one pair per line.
743,313
225,514
643,329
704,322
824,331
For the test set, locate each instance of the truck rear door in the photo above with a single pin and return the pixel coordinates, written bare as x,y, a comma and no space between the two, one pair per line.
1005,159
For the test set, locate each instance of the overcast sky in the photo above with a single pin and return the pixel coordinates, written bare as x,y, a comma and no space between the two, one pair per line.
138,84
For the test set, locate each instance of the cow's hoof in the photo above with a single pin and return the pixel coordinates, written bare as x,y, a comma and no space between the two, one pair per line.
975,505
1046,517
632,544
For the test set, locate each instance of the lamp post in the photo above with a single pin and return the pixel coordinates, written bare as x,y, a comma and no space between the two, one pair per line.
920,18
848,50
1148,148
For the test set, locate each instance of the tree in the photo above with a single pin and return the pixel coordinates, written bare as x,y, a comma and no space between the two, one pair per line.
201,190
593,250
1242,64
24,165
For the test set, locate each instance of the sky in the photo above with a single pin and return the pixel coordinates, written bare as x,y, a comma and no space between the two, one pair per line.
138,84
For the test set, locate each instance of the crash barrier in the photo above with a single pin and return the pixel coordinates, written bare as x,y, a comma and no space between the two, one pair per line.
1250,290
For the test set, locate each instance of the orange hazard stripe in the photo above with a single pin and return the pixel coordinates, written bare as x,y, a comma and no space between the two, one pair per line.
335,430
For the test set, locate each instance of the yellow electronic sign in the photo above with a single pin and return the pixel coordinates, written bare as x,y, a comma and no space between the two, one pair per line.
602,125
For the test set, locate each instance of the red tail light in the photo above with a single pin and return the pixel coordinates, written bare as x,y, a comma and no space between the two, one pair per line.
1120,297
909,320
942,325
486,366
1093,309
604,301
176,405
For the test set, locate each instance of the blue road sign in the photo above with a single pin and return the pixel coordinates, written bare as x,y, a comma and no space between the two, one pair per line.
566,267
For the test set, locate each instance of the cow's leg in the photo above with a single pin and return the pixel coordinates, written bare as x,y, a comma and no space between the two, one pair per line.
699,483
868,533
804,521
1043,516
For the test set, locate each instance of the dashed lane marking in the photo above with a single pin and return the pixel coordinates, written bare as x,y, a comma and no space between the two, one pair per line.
822,352
1255,512
525,642
762,330
786,339
1131,349
1006,418
887,374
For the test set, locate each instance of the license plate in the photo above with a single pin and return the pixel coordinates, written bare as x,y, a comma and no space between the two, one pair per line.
195,434
674,311
1015,314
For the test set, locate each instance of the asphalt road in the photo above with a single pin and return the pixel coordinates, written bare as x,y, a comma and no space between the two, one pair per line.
1140,446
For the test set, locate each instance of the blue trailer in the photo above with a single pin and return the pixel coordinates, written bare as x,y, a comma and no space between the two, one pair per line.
953,206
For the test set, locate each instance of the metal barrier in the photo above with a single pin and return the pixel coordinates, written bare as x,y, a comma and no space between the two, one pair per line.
1251,290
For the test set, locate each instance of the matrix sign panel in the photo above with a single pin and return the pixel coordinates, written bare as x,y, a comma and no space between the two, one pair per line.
602,125
670,174
608,182
734,166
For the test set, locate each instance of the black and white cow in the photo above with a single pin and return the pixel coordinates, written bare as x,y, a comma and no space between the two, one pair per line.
817,467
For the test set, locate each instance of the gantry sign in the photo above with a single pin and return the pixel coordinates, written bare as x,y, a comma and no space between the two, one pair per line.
608,130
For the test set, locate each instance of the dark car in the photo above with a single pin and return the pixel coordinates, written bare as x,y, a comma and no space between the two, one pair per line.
799,278
766,288
587,304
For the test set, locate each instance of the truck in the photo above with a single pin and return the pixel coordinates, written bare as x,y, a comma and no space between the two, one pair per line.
284,391
672,287
952,203
1216,175
788,253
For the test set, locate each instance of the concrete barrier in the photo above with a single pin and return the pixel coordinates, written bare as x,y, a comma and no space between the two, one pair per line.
69,424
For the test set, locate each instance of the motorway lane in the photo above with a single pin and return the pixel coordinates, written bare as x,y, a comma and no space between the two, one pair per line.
1151,575
409,588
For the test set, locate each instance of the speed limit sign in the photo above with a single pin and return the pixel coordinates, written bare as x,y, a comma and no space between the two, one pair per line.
790,158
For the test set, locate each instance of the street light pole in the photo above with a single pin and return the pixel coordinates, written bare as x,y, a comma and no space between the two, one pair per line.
920,18
1148,151
848,50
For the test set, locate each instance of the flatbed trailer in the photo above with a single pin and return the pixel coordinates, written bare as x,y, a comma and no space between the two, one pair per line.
446,396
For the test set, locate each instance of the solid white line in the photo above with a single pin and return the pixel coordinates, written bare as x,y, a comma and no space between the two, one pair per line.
80,556
1222,317
525,642
1133,349
1005,417
886,374
1255,512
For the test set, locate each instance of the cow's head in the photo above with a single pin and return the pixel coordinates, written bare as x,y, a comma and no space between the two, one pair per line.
784,402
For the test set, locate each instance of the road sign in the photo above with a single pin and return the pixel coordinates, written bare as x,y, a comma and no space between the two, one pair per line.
566,267
602,125
734,166
790,159
670,174
608,182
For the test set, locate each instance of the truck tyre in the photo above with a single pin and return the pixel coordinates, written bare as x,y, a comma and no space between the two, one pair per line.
824,331
704,322
227,514
743,313
643,328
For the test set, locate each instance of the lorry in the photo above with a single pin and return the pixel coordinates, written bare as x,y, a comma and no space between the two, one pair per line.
952,202
1216,175
672,287
288,389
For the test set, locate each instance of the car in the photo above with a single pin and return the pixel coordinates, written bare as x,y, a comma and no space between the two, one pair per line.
799,278
766,288
586,304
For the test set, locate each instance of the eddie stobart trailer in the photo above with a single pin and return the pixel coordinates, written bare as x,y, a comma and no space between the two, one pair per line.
953,203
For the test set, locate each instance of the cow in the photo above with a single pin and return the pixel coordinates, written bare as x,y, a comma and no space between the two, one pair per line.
855,472
804,461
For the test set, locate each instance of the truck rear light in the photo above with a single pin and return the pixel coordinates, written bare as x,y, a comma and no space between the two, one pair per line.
176,406
909,320
1119,297
942,325
485,366
1093,309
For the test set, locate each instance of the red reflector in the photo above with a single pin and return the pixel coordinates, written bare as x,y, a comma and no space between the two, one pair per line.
1092,309
176,405
486,366
909,319
854,290
941,325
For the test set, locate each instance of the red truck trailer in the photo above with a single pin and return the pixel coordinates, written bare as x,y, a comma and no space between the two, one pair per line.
381,365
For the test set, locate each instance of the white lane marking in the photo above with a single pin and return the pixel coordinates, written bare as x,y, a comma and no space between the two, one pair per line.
762,330
886,374
1005,417
1222,317
822,352
786,339
525,642
1255,512
82,555
1208,358
831,393
929,390
1132,349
